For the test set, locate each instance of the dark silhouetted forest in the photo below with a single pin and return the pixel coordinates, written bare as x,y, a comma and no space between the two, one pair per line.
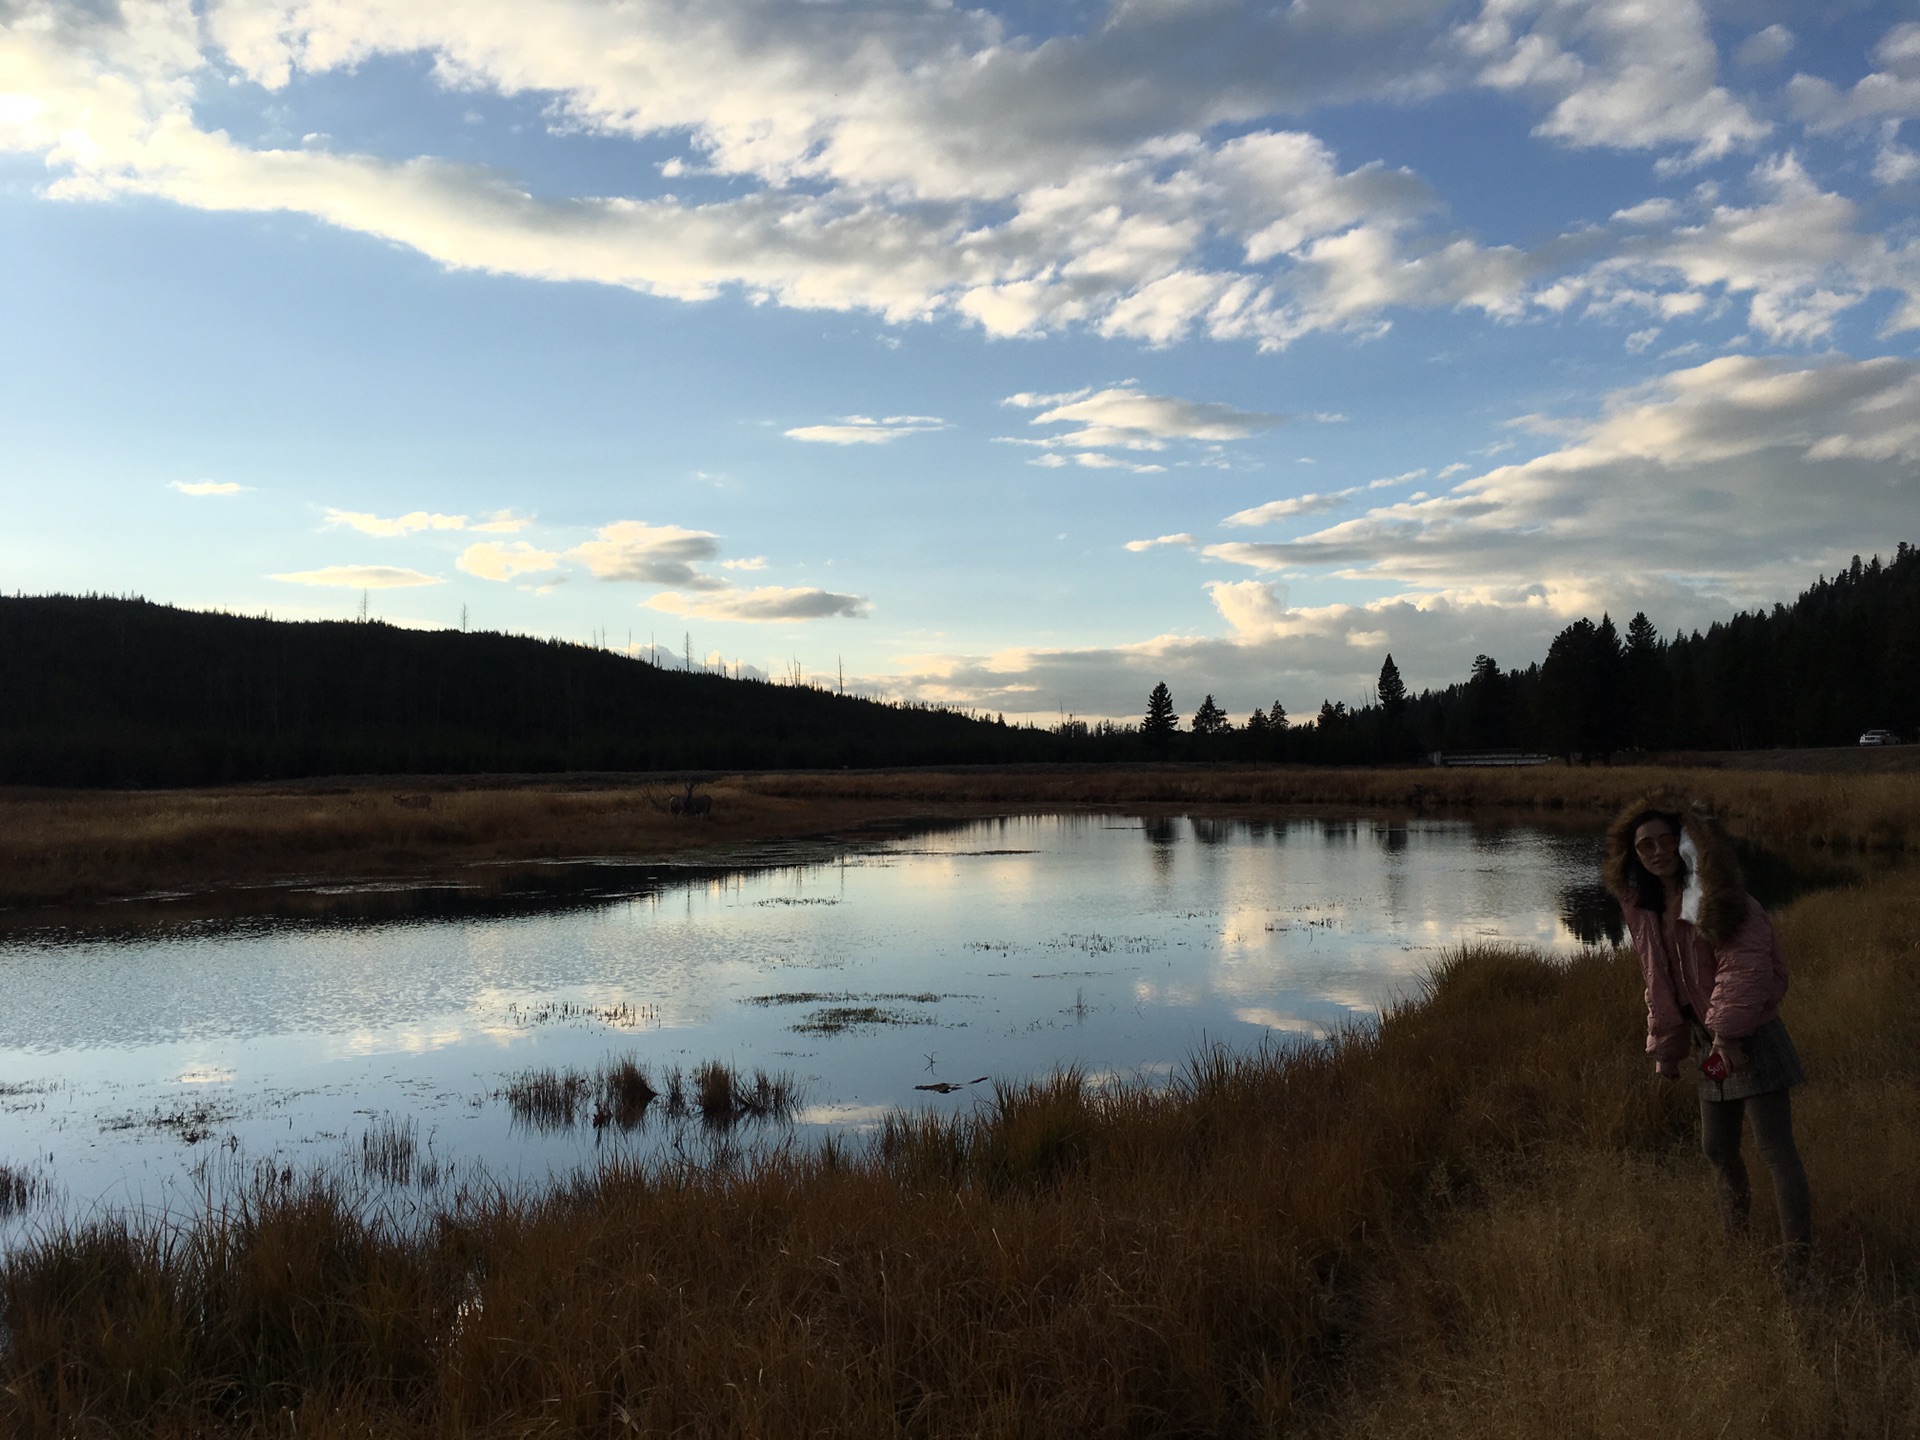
1842,659
101,691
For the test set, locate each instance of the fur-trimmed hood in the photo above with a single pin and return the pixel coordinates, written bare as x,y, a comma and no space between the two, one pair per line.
1715,898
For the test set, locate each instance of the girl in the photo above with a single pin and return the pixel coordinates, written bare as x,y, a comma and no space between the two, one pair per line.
1715,976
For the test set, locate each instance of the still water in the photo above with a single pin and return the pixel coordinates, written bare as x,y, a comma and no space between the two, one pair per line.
162,1070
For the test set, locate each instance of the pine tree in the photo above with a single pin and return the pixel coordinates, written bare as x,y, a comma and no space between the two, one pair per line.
1489,718
1393,690
1210,719
1158,727
1277,716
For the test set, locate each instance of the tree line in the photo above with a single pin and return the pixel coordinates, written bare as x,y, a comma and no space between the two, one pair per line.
1842,659
96,690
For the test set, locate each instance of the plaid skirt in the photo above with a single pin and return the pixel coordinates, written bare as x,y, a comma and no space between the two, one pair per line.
1772,1064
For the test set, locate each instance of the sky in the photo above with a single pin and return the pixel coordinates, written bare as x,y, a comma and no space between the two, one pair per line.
1014,357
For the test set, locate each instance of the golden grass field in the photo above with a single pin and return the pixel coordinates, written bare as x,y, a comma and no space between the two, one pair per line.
1482,1219
75,847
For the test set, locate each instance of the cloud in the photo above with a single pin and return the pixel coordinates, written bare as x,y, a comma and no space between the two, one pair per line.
1130,178
361,577
1142,175
1094,460
492,560
768,603
400,525
862,430
1286,509
1618,73
1890,92
1765,47
1181,539
751,562
1271,650
1797,254
1738,476
207,487
1126,417
498,522
651,554
1721,485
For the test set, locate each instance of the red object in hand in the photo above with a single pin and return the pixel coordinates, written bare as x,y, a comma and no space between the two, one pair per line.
1714,1067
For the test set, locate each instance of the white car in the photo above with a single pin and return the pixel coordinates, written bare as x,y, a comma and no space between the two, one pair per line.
1879,737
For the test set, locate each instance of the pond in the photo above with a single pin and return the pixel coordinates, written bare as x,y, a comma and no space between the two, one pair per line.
159,1069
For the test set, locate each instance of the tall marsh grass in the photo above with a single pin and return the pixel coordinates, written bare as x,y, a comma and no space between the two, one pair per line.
1480,1218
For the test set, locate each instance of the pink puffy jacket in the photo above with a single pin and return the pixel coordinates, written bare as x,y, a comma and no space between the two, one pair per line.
1734,988
1713,951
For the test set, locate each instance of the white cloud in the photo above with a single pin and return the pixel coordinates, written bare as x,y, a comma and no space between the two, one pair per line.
1181,539
651,554
1286,509
1890,92
1127,417
1736,475
361,577
863,430
1272,650
207,487
501,522
1765,47
924,161
492,560
1628,74
751,562
1797,255
1094,460
768,603
408,524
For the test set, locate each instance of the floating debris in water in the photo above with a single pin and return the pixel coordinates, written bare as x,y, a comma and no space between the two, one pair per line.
947,1087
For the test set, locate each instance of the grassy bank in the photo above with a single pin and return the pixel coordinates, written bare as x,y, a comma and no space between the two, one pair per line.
75,847
1481,1219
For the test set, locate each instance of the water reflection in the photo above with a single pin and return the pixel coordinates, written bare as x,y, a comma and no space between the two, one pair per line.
1592,915
897,973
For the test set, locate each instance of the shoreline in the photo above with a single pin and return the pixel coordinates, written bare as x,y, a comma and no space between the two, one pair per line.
63,853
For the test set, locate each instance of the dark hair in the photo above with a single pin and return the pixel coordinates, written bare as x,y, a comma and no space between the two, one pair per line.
1648,891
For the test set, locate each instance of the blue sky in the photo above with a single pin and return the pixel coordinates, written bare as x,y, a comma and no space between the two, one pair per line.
1015,356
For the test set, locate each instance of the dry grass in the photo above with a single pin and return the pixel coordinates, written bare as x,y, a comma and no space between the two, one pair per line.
70,848
1479,1220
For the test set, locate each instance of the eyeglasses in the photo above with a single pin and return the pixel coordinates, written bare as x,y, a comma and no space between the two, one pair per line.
1654,844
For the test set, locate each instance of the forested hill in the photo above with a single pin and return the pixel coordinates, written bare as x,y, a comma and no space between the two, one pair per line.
97,691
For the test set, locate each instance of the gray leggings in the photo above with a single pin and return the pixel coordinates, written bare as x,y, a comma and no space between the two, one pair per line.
1773,1134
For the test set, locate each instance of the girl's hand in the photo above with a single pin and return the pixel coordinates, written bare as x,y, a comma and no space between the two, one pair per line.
1734,1052
1666,1070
